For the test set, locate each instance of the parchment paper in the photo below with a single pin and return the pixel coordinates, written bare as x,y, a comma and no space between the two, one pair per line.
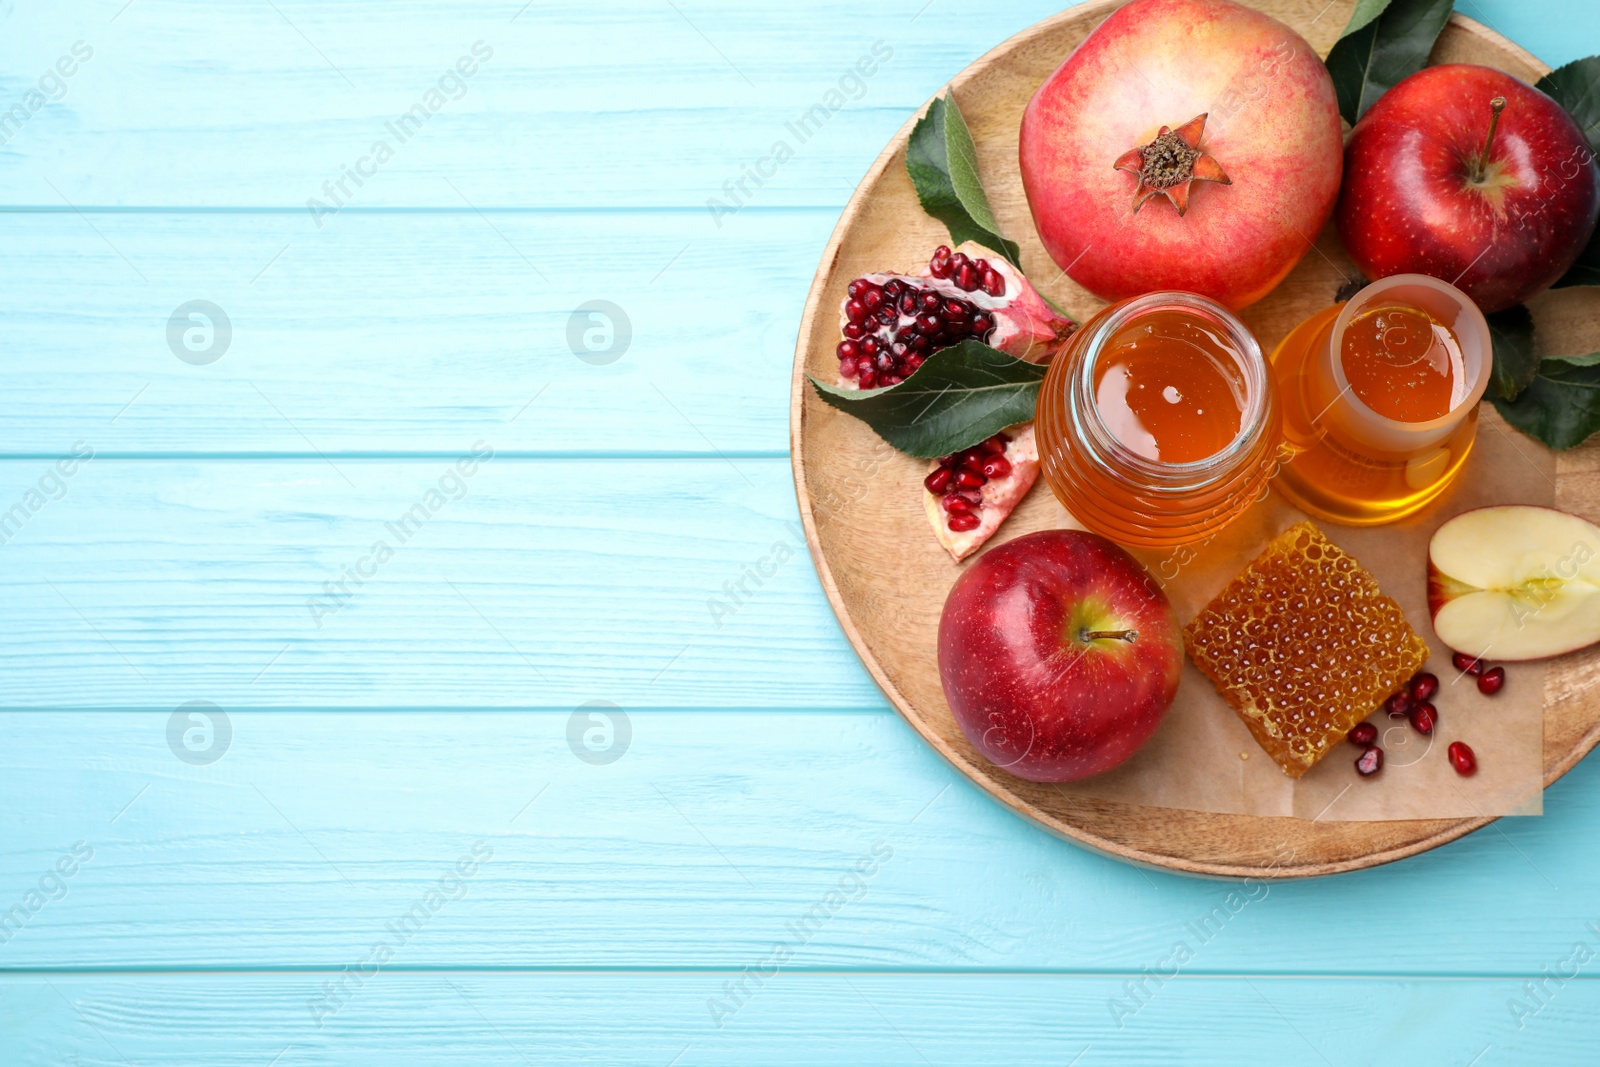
1202,757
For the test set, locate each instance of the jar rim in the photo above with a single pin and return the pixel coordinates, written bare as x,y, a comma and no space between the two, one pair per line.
1467,322
1247,356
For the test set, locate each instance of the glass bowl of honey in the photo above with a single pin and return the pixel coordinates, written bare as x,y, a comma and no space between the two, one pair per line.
1158,424
1380,399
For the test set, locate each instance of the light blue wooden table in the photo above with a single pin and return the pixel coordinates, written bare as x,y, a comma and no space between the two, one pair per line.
402,513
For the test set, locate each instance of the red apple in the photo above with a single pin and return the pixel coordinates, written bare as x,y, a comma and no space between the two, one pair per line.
1059,654
1471,176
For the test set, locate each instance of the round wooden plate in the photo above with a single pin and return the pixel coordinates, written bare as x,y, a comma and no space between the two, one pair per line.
887,578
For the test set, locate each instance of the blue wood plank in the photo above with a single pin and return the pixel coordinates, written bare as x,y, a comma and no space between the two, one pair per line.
369,583
789,1019
403,332
636,103
708,836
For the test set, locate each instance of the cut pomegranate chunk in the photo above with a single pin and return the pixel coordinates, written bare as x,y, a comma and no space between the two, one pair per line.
893,322
969,494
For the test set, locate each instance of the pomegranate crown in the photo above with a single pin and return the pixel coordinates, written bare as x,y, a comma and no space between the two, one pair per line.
1170,164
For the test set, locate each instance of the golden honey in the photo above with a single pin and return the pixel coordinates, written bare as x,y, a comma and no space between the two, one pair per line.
1303,645
1380,400
1158,423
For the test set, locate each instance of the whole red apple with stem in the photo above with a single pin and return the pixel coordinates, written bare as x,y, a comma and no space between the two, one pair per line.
1059,654
1469,175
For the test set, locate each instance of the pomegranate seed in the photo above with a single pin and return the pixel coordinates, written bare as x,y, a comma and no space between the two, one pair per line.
928,324
1462,758
1370,762
995,445
870,346
973,460
963,522
1362,734
872,298
1467,664
1398,706
913,362
981,325
931,301
958,261
867,378
969,479
1424,686
847,368
996,467
954,503
936,482
968,278
1423,716
993,284
939,265
1492,681
909,304
855,331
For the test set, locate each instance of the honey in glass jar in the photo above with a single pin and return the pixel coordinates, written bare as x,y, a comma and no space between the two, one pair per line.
1158,423
1380,399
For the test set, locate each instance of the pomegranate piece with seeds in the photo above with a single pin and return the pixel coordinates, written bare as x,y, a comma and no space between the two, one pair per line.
969,494
1462,758
1370,762
893,322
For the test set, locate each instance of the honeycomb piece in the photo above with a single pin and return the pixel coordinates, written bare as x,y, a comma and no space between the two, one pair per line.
1303,646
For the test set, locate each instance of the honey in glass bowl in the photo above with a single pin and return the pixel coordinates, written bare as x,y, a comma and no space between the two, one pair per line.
1158,424
1380,399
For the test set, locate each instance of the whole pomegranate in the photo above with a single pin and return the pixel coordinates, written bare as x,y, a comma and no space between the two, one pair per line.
1185,144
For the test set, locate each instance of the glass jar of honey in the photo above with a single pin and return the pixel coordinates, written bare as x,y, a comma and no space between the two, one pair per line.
1380,399
1158,424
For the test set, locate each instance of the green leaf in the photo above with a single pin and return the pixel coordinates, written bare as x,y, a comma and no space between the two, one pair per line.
1515,359
1365,12
1586,270
943,164
1576,87
1562,405
1393,44
960,396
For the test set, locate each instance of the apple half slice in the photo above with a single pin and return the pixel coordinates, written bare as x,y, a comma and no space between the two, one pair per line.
1515,582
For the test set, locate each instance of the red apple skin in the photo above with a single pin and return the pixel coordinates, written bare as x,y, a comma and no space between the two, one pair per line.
1272,124
1409,205
1028,693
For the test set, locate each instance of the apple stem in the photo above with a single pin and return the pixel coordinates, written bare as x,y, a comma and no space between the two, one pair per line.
1107,635
1497,105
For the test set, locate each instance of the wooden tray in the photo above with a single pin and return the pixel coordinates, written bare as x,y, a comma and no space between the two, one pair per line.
887,578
